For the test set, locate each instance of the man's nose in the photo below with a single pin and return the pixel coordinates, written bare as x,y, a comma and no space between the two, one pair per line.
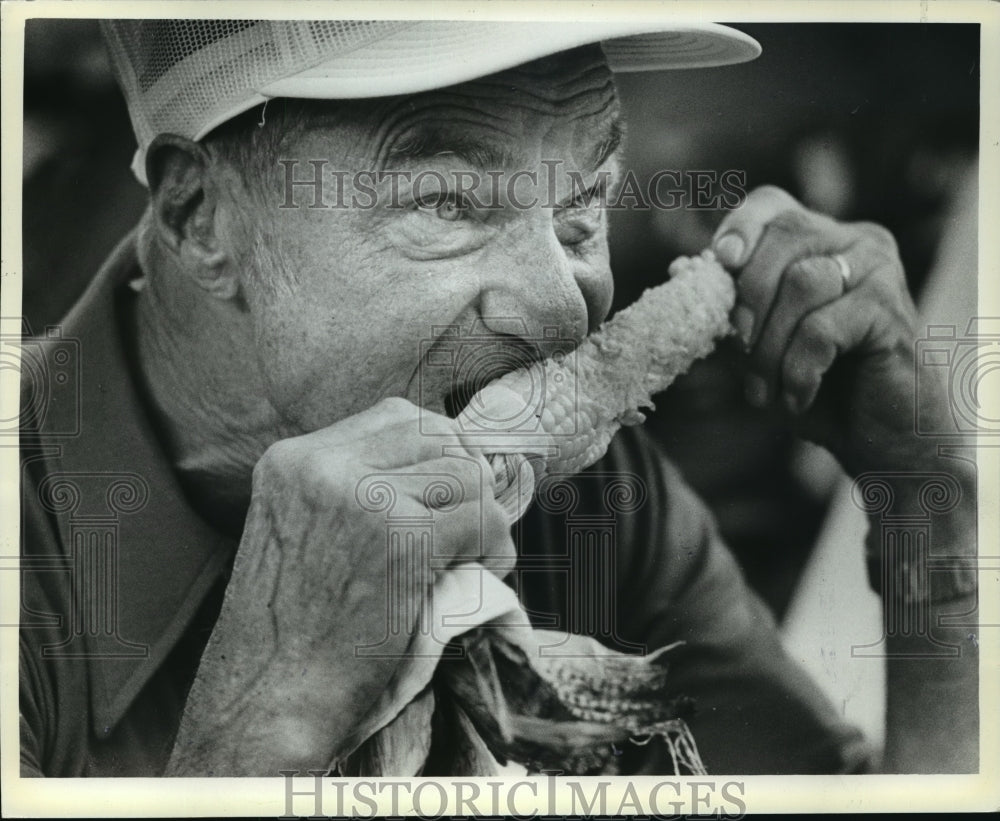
539,289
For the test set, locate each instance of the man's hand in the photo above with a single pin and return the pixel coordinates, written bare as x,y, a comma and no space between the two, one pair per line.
829,329
830,339
280,683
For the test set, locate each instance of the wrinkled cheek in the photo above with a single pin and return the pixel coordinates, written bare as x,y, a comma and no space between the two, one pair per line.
282,356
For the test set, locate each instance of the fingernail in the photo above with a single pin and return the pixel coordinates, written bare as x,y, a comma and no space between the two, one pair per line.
729,249
743,322
756,391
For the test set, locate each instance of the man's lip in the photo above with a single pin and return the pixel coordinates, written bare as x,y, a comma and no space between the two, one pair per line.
474,369
500,356
461,393
459,396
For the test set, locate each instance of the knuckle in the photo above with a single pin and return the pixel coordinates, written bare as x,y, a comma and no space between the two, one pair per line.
494,518
798,374
879,290
879,235
467,475
757,291
886,289
771,193
813,277
318,473
505,557
484,469
464,534
801,279
262,472
816,328
437,424
496,541
277,459
296,467
789,222
396,405
752,293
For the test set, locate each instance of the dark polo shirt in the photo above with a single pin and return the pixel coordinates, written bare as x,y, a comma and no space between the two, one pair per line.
122,580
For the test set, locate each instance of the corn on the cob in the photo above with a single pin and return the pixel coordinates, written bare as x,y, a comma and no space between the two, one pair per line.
613,374
569,711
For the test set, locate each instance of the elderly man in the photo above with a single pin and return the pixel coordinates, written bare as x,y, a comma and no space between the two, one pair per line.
254,351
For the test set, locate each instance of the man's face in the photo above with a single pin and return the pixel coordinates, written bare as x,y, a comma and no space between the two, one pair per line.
360,293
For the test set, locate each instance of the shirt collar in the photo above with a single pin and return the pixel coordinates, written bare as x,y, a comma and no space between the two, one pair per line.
167,556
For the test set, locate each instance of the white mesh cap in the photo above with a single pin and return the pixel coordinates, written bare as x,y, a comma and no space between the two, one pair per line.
186,77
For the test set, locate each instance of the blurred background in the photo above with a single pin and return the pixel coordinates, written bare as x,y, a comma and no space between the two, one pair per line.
862,121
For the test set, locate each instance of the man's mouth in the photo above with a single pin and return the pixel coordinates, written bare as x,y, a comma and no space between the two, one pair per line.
458,397
479,364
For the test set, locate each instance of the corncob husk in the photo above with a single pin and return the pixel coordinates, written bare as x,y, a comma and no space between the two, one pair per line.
573,712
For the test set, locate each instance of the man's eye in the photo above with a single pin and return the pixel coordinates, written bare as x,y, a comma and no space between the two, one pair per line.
578,220
447,207
573,236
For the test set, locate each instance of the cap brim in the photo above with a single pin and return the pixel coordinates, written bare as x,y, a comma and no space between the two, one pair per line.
429,54
421,55
433,54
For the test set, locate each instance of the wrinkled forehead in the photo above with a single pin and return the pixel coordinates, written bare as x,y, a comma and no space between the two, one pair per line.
561,103
551,84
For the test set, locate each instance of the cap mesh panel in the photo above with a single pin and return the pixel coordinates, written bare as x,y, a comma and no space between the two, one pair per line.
179,76
186,77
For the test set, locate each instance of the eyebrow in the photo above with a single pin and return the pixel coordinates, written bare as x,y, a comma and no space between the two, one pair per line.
427,142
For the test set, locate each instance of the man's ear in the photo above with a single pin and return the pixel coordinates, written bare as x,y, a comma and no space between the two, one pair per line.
184,212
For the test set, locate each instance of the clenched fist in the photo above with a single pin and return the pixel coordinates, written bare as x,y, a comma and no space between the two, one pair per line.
284,678
829,328
830,331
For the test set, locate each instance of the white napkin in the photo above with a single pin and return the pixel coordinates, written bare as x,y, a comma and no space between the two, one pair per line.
463,598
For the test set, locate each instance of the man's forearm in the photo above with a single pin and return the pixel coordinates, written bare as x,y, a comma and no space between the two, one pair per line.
257,744
239,720
932,709
926,547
